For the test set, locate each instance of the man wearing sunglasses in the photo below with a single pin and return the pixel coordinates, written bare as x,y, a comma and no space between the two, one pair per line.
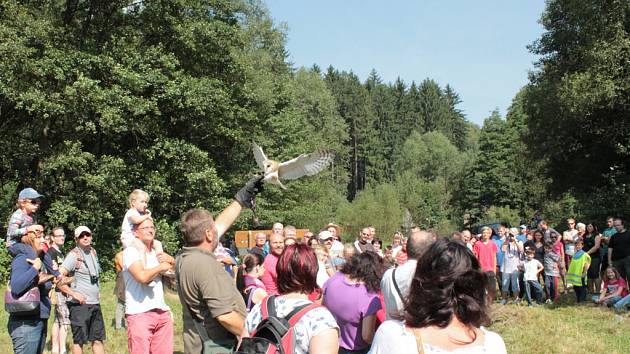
83,297
362,243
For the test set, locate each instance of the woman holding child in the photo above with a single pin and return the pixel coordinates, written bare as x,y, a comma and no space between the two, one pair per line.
28,329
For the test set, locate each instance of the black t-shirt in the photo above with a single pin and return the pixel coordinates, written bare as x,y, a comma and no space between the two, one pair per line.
55,255
539,252
620,243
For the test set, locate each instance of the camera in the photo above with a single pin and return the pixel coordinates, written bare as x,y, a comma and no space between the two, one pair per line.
94,279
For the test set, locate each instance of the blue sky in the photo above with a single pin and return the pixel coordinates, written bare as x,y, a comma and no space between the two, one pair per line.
478,47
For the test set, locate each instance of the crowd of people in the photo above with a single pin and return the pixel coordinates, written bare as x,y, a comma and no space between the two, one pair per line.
312,294
530,263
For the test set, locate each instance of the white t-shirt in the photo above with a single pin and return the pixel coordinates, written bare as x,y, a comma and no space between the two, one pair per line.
127,236
336,249
395,250
531,269
511,257
310,325
322,275
392,337
570,237
404,275
141,298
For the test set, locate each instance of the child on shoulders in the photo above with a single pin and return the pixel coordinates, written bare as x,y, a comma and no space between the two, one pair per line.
138,212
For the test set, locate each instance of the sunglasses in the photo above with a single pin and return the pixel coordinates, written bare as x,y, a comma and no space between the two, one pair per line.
84,235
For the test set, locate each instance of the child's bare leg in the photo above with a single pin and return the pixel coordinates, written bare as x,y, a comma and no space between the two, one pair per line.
157,246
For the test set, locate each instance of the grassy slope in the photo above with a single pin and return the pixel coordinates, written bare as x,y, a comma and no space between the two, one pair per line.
560,329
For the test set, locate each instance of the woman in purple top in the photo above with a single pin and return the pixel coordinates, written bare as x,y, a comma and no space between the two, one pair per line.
351,295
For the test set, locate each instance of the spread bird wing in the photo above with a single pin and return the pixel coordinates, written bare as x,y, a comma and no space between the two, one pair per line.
306,164
259,155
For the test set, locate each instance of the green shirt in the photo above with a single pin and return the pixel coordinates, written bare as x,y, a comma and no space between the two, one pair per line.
209,292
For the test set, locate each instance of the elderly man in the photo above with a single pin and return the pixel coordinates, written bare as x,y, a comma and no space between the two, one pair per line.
277,228
290,235
149,321
467,237
86,318
213,309
396,282
362,243
259,247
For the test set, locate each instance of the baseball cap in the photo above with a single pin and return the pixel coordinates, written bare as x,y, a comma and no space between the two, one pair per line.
523,227
81,229
29,193
325,235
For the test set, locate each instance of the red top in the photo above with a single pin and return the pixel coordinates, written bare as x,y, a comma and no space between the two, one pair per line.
270,277
401,257
612,285
486,254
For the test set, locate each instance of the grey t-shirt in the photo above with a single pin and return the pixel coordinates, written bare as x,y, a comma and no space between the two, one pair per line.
551,264
82,276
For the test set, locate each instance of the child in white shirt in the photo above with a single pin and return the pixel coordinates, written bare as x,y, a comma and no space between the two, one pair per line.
137,213
532,269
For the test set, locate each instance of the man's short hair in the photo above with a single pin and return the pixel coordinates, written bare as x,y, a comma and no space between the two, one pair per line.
418,242
194,224
623,223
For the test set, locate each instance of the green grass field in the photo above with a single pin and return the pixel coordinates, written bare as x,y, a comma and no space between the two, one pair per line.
564,328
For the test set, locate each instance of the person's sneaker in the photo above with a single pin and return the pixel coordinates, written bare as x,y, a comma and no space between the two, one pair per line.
548,301
504,302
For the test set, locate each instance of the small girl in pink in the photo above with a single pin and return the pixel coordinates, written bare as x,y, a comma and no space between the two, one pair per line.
247,279
614,288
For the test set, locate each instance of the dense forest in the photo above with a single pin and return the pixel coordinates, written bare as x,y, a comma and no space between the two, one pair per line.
99,97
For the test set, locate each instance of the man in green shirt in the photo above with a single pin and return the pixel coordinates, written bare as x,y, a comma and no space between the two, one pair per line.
212,308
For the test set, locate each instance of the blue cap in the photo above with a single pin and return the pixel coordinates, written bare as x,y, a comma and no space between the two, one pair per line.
29,193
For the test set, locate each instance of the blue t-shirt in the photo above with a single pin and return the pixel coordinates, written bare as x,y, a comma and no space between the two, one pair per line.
522,238
499,243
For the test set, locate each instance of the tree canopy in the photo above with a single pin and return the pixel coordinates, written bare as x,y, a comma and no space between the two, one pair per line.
98,98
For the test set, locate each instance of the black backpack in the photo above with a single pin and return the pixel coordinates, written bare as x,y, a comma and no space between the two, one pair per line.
274,335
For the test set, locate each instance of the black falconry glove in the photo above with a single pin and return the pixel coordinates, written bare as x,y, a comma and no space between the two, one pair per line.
246,196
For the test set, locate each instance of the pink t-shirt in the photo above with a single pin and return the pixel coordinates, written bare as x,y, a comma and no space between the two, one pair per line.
270,277
612,285
557,248
486,254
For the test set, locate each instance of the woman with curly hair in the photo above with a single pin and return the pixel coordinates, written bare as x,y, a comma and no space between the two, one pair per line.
352,297
446,308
